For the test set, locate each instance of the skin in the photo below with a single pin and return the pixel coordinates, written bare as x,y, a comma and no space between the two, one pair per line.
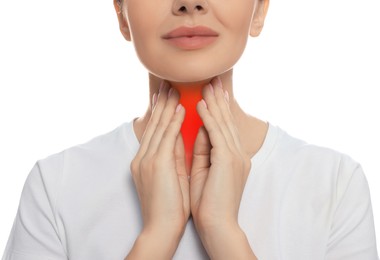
223,147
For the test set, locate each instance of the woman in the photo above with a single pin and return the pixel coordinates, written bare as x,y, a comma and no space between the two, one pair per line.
163,186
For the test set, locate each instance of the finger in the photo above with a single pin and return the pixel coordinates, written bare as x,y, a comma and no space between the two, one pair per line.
154,119
201,151
182,172
179,153
171,120
228,121
208,94
169,136
200,167
212,98
216,137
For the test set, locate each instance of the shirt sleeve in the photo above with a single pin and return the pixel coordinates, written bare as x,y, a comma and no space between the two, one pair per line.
34,233
352,235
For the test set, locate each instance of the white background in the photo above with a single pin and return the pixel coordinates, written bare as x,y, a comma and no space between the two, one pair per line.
67,75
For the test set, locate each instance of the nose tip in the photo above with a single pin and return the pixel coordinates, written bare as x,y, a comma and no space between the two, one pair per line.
181,7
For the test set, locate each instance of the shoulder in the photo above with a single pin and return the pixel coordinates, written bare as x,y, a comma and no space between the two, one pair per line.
85,166
109,149
120,139
307,154
110,144
316,190
312,165
314,174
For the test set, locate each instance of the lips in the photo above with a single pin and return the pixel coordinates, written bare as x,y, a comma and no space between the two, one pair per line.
190,38
190,32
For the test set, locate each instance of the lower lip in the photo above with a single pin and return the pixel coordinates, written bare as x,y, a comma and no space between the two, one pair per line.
192,43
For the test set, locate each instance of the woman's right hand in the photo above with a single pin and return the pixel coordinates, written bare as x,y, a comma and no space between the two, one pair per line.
161,180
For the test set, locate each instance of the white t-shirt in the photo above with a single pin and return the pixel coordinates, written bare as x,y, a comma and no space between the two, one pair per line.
300,202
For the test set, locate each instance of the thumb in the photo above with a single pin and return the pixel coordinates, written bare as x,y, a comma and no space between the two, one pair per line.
201,151
200,168
179,153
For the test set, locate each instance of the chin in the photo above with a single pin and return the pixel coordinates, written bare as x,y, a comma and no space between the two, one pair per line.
189,74
193,78
188,66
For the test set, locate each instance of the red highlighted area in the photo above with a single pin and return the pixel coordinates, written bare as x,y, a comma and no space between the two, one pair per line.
190,96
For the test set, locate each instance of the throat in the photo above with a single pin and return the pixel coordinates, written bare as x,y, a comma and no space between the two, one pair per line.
190,96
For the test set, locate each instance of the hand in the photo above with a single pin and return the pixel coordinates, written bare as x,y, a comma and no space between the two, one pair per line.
218,176
159,173
220,166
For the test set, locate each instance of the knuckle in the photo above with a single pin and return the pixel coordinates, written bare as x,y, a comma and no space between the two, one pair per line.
174,124
227,119
145,165
156,164
154,121
248,165
166,134
246,161
156,115
211,130
218,119
135,166
161,125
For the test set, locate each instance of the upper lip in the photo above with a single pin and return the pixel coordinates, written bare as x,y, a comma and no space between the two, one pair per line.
184,31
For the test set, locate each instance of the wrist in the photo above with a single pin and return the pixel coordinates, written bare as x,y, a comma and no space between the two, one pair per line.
226,242
155,244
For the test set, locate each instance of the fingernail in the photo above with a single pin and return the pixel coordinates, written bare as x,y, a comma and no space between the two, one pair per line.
178,108
161,86
219,82
227,96
154,99
170,92
204,103
211,88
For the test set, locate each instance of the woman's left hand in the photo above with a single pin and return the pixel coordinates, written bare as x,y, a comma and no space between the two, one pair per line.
219,172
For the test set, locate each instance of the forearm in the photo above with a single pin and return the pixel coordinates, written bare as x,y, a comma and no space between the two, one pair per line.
227,243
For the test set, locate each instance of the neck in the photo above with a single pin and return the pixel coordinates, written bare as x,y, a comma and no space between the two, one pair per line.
190,94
